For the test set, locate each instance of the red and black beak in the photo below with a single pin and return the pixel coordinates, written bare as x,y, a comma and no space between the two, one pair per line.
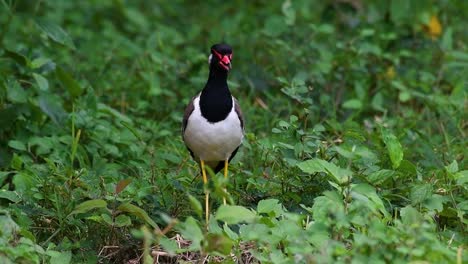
224,60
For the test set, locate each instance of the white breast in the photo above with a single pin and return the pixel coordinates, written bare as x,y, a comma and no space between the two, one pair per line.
212,141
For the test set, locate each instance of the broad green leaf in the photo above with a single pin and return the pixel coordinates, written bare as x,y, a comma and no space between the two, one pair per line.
452,167
16,144
407,168
420,192
462,177
330,203
393,146
234,214
404,96
410,216
380,176
107,219
24,181
138,212
192,231
325,28
72,86
16,93
87,206
42,82
123,220
39,62
56,33
18,57
16,162
217,243
231,234
169,245
196,205
435,202
271,207
337,174
59,257
4,175
375,202
51,106
10,195
352,104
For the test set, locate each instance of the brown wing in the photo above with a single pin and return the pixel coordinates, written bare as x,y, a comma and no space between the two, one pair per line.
239,112
188,111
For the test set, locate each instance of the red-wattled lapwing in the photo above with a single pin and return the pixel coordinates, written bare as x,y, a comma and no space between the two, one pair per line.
213,126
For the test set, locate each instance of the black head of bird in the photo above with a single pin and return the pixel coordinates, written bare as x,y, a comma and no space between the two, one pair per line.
220,57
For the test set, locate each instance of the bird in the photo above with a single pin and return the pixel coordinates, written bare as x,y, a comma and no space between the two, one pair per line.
213,123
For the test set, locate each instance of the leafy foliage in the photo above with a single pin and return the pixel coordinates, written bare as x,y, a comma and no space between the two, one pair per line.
356,121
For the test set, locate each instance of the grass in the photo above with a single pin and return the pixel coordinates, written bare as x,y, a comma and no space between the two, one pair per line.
355,119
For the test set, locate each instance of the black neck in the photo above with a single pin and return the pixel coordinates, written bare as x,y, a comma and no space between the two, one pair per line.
215,98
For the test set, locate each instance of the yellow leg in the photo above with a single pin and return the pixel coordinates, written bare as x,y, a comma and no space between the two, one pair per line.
207,194
226,164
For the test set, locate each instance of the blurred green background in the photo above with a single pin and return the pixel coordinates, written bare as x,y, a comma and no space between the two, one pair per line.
355,119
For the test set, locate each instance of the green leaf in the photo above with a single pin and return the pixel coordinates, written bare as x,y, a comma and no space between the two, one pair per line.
42,82
191,231
380,176
231,234
352,104
196,205
4,175
39,62
72,86
404,96
435,202
56,33
16,93
88,206
410,216
58,257
169,245
138,212
374,201
330,203
18,57
271,207
51,106
107,219
234,214
122,220
393,146
452,168
24,181
217,243
16,162
420,193
10,195
337,174
16,144
461,177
